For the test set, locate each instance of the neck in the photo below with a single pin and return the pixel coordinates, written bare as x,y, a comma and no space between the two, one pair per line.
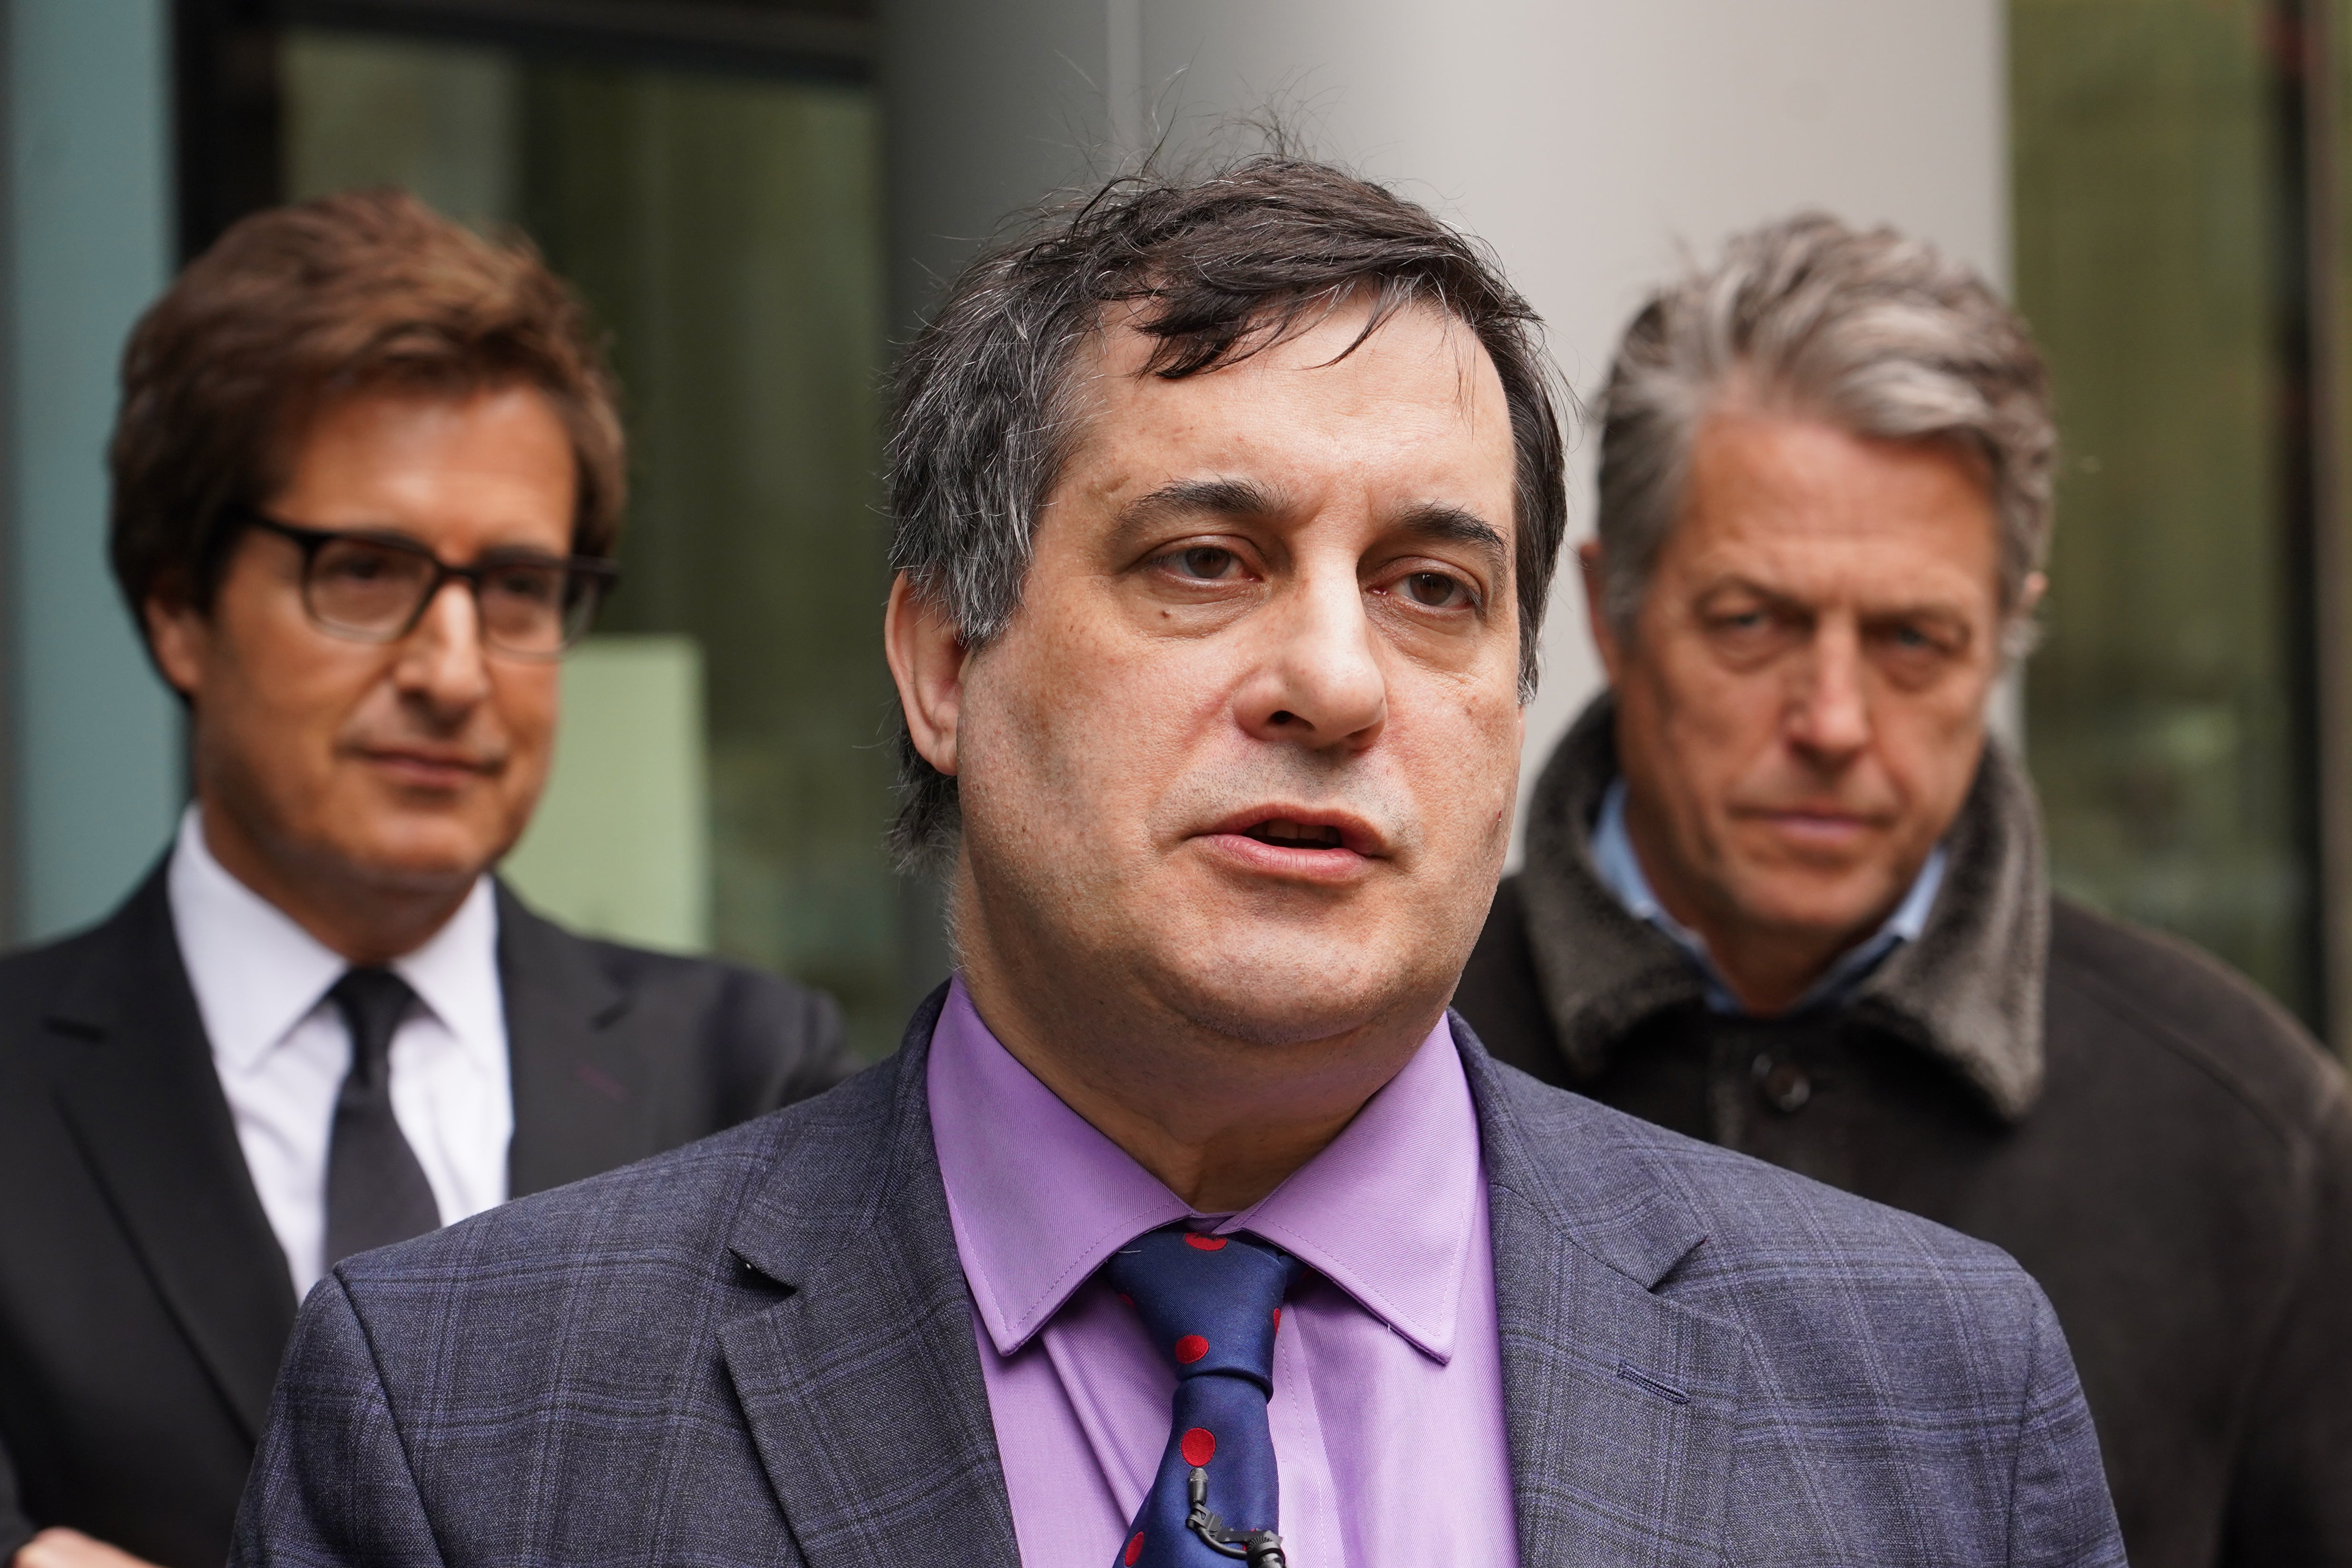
1768,972
1221,1120
364,920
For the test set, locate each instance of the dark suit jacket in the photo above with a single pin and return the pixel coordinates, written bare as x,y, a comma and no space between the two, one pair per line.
143,1298
759,1350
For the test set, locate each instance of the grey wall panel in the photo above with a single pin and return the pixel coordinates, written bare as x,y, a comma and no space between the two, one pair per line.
991,107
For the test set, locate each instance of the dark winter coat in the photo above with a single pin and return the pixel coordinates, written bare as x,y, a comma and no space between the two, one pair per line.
2162,1147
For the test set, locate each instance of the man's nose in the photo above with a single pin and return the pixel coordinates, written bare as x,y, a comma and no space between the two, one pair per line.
1320,683
442,662
1830,712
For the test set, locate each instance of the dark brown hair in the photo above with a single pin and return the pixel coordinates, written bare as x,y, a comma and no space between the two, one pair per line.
295,309
1221,266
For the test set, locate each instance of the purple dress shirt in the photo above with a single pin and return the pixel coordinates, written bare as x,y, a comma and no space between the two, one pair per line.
1388,1376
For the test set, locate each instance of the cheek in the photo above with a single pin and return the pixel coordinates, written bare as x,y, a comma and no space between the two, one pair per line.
1703,719
1104,713
1464,759
268,734
1040,740
287,687
1495,736
529,703
1930,748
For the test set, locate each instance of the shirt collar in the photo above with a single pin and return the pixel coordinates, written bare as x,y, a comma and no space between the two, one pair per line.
1039,1199
257,973
1620,870
455,975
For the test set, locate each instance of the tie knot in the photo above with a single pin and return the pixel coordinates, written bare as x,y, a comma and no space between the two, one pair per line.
1212,1303
373,1002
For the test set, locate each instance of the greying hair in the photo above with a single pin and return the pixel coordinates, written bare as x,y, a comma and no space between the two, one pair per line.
1219,267
1876,333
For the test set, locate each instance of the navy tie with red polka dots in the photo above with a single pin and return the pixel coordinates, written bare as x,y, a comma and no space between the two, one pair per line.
1213,1305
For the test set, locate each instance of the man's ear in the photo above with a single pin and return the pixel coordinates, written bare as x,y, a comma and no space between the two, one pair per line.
178,633
1596,609
927,661
2029,595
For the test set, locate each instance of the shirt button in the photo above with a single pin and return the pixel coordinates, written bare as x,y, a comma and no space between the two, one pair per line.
1783,1085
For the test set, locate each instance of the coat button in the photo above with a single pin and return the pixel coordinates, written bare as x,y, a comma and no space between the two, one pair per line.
1783,1085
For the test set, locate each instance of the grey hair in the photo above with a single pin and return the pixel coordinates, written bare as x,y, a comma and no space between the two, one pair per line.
1877,333
1218,266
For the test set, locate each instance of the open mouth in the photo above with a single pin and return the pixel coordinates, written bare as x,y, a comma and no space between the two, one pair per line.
1283,834
1291,843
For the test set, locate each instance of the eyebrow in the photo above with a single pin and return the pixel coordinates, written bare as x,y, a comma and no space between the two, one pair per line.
1247,499
1452,525
393,535
1195,498
1943,608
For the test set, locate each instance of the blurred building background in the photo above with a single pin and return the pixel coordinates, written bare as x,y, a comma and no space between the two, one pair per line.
756,195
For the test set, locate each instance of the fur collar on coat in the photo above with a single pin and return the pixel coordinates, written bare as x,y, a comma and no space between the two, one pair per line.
1969,991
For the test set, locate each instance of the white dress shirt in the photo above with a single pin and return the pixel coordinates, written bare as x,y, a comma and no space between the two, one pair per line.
281,1049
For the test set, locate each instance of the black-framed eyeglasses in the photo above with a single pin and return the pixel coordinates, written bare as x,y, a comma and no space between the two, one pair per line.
373,587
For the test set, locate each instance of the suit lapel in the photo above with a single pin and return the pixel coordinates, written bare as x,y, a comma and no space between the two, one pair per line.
862,1384
147,1110
583,1090
1619,1404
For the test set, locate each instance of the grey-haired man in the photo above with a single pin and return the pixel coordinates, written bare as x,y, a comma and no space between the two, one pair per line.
1782,891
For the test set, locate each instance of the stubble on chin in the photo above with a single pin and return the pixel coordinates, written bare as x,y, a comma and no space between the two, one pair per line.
1171,949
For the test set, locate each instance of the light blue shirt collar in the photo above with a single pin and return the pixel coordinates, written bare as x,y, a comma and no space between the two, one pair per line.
1620,872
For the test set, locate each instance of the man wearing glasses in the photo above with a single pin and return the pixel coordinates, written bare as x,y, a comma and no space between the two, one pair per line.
367,483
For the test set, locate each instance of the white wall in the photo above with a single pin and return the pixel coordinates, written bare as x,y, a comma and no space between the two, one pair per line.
1586,140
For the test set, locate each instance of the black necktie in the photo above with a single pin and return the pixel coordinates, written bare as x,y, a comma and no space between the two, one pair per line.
376,1192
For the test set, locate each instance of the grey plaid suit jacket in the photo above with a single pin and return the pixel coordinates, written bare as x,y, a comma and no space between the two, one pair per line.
759,1350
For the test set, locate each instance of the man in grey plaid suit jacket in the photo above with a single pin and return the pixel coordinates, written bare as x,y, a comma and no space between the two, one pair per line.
1227,511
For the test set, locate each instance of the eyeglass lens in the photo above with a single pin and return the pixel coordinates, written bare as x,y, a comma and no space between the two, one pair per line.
376,589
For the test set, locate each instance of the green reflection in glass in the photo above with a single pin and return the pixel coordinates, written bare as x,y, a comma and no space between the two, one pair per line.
2158,712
